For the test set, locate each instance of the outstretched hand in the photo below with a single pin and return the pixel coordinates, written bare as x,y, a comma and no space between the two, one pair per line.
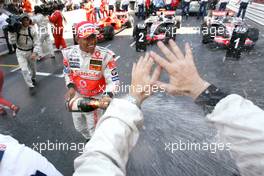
184,77
142,79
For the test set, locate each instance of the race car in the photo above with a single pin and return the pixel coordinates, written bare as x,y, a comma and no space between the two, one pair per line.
110,25
219,28
161,26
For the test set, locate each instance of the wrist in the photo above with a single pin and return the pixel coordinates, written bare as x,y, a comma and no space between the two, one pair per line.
198,88
138,98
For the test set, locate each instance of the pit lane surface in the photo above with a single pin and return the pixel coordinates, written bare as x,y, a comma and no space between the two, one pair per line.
44,121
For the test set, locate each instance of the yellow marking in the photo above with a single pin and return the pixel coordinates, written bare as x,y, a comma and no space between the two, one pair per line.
8,65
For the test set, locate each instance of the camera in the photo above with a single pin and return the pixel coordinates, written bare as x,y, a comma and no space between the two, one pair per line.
14,23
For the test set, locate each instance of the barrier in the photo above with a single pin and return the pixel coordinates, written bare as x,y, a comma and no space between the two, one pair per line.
255,11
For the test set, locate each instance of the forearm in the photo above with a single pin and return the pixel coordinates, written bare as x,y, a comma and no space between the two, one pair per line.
115,136
240,123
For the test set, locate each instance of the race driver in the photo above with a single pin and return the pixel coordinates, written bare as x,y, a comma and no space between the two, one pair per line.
90,71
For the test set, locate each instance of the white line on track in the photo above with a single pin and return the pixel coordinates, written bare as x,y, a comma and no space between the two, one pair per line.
107,46
117,57
132,44
50,74
14,70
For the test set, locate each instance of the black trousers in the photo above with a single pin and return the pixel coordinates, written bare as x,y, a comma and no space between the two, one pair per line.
9,46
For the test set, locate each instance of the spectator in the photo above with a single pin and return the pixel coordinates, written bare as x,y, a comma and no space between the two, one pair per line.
124,5
211,6
202,9
243,7
111,6
158,4
168,4
141,11
223,4
186,8
97,5
237,120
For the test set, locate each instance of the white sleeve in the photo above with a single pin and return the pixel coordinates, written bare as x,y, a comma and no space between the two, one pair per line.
35,42
241,123
19,159
116,134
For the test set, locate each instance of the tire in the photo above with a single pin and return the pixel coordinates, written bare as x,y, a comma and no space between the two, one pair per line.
206,39
109,32
253,34
134,32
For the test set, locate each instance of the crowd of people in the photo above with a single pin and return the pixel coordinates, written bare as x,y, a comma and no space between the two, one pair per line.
238,121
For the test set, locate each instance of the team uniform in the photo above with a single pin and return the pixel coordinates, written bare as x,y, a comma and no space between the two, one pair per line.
17,159
91,76
43,34
57,20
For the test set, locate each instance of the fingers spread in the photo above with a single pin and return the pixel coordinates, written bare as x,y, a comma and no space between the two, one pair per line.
149,65
188,51
169,55
139,63
160,61
176,50
156,74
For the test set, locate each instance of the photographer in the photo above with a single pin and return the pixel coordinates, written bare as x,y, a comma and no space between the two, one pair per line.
42,21
27,50
3,26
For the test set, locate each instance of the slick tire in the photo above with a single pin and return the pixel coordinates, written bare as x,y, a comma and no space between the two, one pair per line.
253,34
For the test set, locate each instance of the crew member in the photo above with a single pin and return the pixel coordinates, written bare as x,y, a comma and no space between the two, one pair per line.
57,20
43,33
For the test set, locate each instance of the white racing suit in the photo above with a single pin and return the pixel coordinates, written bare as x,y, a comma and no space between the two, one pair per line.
91,76
17,159
237,120
26,45
43,41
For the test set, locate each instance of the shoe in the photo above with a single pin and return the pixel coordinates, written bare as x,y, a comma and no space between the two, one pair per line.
15,110
2,112
34,81
52,57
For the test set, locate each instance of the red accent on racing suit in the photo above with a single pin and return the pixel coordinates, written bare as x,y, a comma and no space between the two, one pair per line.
93,74
3,101
26,5
57,20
